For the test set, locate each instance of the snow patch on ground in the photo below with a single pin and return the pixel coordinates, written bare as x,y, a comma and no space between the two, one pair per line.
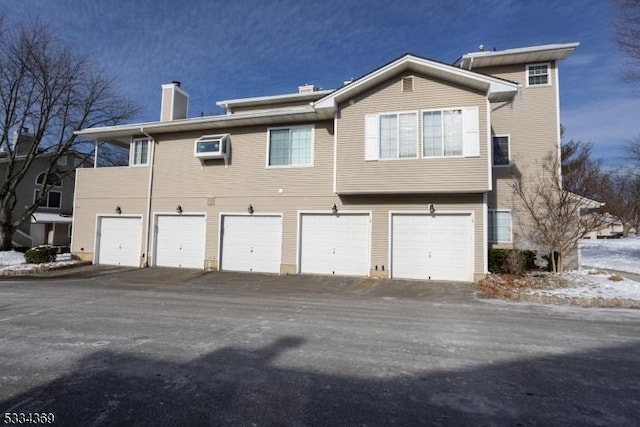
602,254
14,261
614,254
594,284
11,258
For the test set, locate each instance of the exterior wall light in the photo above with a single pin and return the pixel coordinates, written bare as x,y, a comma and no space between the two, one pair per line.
179,209
118,210
250,209
334,209
432,208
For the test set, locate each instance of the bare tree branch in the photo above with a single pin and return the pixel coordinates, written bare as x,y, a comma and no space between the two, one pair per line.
553,219
47,88
627,35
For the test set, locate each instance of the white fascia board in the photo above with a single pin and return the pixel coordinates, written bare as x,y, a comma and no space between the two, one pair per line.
265,100
552,52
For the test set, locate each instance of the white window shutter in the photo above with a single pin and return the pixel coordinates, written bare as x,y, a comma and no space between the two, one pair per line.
371,148
471,133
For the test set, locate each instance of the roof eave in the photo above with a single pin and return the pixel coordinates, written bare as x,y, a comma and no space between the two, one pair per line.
267,100
551,52
124,132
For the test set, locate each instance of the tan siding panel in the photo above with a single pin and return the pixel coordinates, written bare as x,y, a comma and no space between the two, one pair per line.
531,123
99,191
355,175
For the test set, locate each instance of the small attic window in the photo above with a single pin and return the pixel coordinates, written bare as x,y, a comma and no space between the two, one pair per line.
407,84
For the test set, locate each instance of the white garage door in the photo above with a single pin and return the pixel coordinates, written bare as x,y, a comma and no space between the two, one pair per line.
251,243
180,241
434,247
119,241
335,244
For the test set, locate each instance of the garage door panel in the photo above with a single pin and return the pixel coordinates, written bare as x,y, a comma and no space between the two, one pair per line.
251,243
335,244
119,241
180,241
436,247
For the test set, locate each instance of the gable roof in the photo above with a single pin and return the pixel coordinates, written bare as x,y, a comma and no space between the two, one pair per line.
497,89
532,54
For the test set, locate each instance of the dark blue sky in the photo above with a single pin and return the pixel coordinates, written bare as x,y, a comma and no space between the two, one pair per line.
233,49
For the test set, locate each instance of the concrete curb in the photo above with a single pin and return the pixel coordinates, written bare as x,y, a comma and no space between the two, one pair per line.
40,269
581,301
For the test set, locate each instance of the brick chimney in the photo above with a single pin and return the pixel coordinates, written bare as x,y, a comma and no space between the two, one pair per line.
175,102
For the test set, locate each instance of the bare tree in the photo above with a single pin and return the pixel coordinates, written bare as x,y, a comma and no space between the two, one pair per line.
633,156
623,199
627,34
553,219
47,88
581,173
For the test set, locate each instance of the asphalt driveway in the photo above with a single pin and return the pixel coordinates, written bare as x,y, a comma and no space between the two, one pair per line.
102,346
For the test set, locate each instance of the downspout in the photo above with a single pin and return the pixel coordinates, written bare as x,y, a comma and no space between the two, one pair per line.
147,241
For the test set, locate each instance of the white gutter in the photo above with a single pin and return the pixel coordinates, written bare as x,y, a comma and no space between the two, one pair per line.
152,142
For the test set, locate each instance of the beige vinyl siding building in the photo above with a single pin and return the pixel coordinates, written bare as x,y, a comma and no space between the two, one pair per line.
51,222
388,176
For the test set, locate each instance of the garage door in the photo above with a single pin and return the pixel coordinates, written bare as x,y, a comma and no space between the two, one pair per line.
251,243
119,241
435,247
335,244
180,241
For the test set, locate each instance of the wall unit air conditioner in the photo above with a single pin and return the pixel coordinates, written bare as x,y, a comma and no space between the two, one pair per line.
212,147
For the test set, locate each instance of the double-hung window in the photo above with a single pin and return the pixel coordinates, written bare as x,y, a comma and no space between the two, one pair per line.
290,147
501,150
450,133
538,75
398,136
391,136
140,152
52,200
499,226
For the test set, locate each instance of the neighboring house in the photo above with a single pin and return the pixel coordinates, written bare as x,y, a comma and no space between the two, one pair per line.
611,227
401,173
51,222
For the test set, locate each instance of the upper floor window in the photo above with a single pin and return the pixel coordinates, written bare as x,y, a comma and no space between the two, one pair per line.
290,147
391,136
450,133
52,180
140,152
499,226
398,136
538,75
501,150
53,199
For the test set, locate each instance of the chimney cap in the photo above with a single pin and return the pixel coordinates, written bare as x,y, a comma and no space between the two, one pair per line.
177,83
307,88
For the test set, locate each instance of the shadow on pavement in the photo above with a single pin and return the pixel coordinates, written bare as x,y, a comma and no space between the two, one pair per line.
239,386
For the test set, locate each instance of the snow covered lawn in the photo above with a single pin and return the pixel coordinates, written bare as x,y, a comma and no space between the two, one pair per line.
12,262
614,254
